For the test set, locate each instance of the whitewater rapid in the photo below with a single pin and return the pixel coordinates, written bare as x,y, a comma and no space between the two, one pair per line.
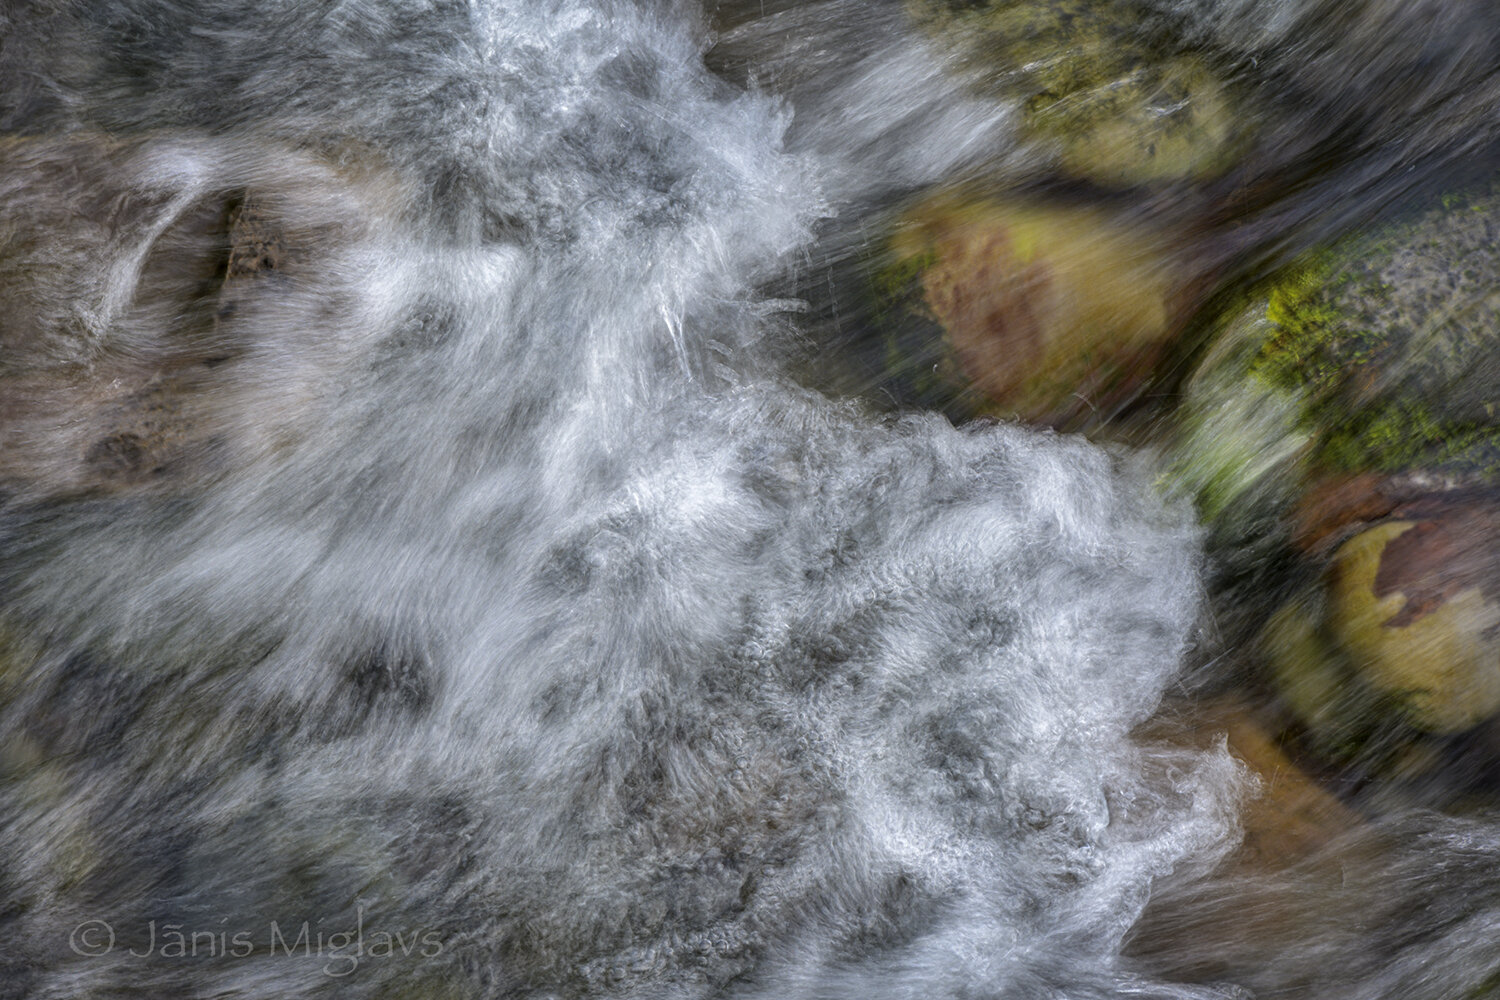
507,589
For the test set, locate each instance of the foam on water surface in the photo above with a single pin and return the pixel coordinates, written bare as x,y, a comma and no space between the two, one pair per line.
516,595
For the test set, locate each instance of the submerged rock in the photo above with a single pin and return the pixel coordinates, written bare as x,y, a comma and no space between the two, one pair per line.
1410,613
1413,605
1391,339
1109,86
1366,362
1239,439
1054,313
1290,814
1347,420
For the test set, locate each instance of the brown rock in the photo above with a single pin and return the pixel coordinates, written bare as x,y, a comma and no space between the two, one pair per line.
1293,816
1054,312
1457,549
1337,506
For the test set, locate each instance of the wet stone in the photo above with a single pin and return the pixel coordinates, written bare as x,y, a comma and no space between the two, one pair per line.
1053,313
1110,87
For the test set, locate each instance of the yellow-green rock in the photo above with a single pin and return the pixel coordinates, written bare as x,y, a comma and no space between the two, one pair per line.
1106,85
1443,666
1051,312
1341,716
1397,638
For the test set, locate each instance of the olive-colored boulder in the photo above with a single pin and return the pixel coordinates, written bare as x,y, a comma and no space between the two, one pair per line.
1053,313
1310,676
1110,87
1399,636
1414,605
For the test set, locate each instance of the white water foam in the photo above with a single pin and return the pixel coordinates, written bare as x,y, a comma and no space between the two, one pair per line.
551,617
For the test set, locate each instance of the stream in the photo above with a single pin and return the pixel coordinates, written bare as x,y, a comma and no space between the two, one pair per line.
451,545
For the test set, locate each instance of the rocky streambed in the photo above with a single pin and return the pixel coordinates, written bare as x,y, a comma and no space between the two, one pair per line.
1326,392
755,499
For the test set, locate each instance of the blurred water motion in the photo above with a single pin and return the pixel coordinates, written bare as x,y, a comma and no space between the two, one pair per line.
507,500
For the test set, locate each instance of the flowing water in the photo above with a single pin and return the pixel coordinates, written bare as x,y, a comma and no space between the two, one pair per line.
469,600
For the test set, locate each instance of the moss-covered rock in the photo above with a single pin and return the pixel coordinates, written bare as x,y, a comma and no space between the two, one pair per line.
1109,86
1391,338
1371,359
1342,437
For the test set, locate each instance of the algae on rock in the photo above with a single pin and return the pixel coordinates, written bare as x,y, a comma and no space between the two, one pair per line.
1351,411
1392,337
1111,87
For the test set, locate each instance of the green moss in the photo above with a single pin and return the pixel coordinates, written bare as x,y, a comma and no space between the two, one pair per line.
1402,434
1335,336
1302,350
